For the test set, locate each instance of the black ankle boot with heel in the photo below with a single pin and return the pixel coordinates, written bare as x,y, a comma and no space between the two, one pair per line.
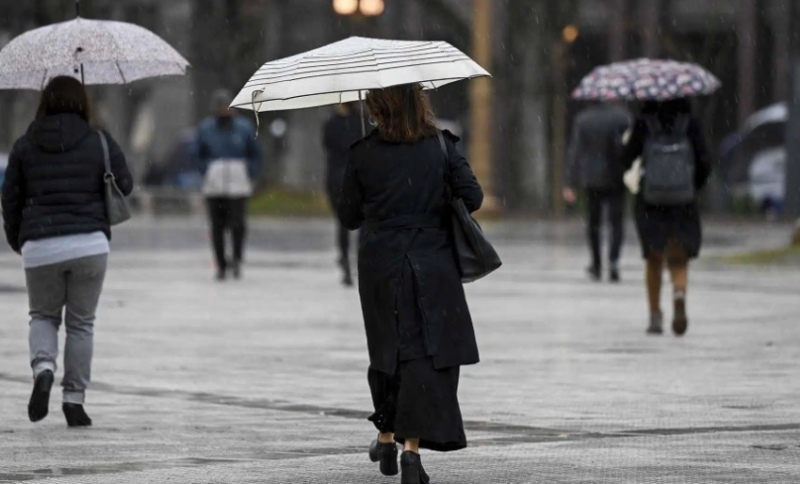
40,397
76,415
386,454
413,472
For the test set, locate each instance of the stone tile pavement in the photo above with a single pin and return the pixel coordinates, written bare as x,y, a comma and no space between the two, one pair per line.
263,380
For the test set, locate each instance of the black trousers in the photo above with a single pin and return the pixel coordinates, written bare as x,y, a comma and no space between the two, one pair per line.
615,201
227,215
343,241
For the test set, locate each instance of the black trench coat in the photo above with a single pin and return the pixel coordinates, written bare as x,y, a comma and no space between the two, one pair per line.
409,283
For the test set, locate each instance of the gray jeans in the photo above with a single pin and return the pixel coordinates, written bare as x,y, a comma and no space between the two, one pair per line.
74,285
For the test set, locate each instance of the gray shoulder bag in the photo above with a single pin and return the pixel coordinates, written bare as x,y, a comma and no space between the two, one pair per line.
117,209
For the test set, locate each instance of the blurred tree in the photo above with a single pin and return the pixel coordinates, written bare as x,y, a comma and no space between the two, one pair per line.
536,99
226,45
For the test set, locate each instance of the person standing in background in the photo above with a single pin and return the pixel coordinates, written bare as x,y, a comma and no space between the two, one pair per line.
593,166
230,159
340,132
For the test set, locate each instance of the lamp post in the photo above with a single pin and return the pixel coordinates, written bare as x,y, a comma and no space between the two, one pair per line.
569,35
480,97
367,8
792,192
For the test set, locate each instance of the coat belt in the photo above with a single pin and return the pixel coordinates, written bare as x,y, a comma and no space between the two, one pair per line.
402,222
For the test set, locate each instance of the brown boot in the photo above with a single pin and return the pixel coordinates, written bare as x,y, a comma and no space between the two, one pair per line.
680,322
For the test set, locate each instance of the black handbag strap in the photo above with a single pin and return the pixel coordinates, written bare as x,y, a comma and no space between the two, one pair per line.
106,156
425,221
443,145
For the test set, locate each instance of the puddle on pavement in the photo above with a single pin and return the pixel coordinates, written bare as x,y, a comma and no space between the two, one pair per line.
8,289
774,447
36,474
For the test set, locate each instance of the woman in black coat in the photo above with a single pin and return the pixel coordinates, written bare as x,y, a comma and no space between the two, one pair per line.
418,325
670,233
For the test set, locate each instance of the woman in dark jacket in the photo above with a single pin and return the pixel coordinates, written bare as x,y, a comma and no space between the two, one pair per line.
670,233
418,325
55,217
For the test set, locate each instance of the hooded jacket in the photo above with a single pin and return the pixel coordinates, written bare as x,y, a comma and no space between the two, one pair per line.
228,156
54,181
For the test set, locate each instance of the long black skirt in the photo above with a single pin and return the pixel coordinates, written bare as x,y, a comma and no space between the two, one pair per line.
419,402
657,225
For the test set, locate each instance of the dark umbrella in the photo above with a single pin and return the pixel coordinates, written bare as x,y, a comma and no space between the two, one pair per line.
646,80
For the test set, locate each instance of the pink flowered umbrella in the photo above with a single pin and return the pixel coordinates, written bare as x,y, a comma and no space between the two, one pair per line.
646,80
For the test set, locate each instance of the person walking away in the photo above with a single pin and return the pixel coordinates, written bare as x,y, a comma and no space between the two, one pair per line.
230,159
418,325
593,166
676,168
54,215
340,132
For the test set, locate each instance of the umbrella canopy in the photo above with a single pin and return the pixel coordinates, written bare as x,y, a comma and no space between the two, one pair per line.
343,71
646,80
762,132
98,52
774,114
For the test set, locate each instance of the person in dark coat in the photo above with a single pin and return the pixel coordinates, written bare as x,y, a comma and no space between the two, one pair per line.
54,216
668,233
593,166
340,132
419,328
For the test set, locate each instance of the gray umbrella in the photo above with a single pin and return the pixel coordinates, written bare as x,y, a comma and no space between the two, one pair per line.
97,52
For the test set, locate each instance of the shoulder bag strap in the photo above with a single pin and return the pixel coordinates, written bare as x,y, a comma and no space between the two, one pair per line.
653,124
106,157
682,124
443,145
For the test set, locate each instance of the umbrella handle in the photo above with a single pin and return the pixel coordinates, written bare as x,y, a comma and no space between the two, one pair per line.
255,111
361,105
77,8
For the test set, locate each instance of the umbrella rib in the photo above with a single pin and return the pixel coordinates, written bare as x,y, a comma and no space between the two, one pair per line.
300,58
120,72
288,78
314,62
395,63
44,79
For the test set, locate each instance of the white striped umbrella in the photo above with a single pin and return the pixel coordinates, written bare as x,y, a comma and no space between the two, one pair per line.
95,51
344,71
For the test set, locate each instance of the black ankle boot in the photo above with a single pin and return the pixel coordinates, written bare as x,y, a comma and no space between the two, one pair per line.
386,454
413,473
40,397
76,415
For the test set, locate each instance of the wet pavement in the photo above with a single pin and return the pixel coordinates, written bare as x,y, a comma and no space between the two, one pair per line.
263,380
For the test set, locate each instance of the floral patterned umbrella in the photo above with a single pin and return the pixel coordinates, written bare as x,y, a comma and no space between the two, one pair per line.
95,51
646,80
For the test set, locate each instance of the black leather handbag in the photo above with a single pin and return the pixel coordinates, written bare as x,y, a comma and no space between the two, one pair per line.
475,256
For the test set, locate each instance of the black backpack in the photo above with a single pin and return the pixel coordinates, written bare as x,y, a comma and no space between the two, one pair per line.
668,160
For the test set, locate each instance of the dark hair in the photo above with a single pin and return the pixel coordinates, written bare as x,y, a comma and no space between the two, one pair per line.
673,106
62,95
403,113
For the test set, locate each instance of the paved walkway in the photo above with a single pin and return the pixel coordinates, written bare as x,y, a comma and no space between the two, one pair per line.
263,380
